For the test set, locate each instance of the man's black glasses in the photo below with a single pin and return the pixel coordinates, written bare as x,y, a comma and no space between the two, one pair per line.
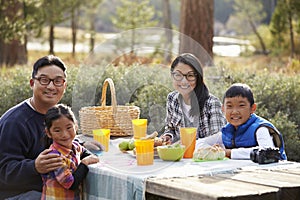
58,82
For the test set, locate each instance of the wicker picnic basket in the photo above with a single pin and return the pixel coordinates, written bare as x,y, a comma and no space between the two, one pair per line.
115,117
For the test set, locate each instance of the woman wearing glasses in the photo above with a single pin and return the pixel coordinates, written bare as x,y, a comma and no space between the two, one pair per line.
191,104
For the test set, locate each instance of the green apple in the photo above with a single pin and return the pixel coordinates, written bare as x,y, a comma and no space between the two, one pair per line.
123,146
131,145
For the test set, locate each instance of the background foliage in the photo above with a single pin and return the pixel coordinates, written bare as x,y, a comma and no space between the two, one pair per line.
276,93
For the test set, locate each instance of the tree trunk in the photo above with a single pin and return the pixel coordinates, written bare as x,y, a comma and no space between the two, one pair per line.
51,39
25,56
13,52
261,41
92,31
196,26
291,34
74,30
168,31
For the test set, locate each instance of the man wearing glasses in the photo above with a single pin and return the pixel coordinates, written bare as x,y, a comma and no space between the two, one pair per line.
22,154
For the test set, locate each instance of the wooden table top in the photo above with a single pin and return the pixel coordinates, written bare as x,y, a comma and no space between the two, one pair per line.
241,184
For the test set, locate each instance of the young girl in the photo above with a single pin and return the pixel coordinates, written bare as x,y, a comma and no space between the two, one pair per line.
64,183
191,105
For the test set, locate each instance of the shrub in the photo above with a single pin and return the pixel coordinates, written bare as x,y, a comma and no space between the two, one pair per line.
14,87
277,95
152,101
290,135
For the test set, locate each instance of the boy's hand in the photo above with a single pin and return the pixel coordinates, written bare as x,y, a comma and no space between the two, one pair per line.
228,153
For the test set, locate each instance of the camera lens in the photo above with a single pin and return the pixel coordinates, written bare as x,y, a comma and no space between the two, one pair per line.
253,155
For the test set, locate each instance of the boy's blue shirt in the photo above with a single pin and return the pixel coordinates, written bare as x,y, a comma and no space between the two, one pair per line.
245,134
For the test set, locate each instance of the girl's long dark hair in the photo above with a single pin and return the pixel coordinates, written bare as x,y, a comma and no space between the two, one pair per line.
201,92
55,113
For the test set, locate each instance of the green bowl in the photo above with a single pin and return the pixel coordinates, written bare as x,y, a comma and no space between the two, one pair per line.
171,152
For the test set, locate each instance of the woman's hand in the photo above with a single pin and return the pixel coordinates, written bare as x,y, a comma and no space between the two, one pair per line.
167,139
46,162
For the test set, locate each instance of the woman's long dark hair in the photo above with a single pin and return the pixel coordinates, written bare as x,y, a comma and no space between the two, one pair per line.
201,93
55,113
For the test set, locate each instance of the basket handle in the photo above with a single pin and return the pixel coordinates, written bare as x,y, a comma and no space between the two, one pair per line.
109,82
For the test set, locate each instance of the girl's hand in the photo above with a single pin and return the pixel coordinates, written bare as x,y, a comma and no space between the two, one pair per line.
91,159
93,145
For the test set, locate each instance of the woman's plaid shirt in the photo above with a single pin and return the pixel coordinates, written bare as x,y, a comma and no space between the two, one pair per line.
211,119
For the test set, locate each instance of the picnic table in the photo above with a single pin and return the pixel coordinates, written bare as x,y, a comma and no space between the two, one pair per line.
117,176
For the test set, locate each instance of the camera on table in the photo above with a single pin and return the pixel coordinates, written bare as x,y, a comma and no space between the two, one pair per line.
265,155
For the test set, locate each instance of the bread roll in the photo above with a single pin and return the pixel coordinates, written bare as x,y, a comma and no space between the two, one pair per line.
209,153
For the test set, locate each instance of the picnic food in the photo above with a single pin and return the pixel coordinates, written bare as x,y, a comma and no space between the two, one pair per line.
127,145
131,145
123,146
171,152
157,141
151,136
214,152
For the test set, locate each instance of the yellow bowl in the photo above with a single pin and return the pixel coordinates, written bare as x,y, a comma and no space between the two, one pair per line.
171,152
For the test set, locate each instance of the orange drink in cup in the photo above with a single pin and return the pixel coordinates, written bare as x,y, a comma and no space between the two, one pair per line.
102,136
139,128
144,151
188,139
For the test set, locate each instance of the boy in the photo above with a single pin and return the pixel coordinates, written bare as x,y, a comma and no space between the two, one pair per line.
245,130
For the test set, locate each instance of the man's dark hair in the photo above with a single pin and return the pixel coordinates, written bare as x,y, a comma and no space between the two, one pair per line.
47,61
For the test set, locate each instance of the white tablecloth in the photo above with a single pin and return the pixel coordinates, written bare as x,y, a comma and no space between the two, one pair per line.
118,176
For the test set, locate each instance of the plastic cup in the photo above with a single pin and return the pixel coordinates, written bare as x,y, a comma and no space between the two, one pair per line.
188,139
102,136
139,128
144,151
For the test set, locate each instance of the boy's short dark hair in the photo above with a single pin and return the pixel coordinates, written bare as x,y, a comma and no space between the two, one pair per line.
46,61
239,89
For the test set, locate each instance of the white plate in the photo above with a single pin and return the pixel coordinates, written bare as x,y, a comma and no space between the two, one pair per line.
131,153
